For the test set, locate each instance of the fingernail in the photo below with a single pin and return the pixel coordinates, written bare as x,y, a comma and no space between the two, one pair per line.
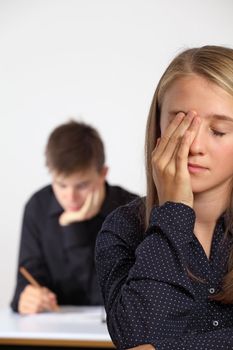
192,113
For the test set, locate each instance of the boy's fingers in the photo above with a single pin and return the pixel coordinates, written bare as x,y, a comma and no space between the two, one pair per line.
87,204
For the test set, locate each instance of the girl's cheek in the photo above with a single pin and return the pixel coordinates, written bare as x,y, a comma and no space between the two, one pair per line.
163,127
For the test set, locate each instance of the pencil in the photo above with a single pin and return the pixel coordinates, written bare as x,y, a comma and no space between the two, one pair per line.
29,277
32,281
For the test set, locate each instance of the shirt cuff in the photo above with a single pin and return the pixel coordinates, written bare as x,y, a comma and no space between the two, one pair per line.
174,219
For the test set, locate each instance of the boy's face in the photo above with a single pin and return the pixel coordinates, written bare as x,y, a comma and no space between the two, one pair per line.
71,190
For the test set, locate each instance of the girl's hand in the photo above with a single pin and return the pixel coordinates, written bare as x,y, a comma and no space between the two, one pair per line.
170,159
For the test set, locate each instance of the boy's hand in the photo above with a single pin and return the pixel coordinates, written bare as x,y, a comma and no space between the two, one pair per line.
36,299
90,208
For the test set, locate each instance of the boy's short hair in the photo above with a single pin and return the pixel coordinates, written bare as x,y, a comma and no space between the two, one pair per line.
74,146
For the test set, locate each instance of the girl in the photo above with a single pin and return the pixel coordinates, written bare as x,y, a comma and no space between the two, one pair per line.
165,264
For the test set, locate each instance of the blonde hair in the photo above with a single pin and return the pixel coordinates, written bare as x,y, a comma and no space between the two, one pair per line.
215,64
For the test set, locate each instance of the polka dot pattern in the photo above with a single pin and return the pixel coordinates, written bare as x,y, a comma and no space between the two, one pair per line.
145,280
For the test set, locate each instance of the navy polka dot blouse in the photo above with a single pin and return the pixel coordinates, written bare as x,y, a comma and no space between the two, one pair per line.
146,280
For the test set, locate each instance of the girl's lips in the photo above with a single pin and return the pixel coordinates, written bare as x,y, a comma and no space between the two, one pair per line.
195,168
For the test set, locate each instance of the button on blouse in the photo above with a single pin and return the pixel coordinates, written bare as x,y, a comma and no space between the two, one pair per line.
212,290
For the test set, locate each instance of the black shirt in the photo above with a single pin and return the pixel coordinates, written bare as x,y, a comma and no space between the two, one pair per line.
62,257
149,295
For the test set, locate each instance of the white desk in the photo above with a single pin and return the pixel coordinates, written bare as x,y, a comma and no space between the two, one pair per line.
71,326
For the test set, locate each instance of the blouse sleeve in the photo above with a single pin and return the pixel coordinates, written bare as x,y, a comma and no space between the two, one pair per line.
147,293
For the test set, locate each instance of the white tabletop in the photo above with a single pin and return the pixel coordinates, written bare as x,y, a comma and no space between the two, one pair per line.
68,324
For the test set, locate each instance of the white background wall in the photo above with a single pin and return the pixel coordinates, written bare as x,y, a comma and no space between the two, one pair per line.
98,60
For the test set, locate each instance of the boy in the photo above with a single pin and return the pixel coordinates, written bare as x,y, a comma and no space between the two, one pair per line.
61,222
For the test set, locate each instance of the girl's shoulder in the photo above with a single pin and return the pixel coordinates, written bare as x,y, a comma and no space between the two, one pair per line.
127,221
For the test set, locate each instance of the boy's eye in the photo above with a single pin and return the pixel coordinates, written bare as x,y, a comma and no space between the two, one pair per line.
62,185
218,133
83,185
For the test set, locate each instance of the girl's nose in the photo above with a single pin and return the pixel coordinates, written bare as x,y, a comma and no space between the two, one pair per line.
198,144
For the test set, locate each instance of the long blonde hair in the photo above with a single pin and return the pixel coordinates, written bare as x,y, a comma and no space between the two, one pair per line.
215,64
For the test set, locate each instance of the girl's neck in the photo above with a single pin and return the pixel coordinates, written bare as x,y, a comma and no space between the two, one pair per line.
208,208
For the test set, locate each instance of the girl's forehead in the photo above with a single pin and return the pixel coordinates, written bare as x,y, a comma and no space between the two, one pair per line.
197,93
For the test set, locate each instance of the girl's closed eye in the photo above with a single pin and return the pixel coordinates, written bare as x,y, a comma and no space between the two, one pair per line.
218,133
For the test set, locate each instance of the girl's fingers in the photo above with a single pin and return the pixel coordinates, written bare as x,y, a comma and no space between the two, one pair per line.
182,154
186,141
193,128
164,140
168,152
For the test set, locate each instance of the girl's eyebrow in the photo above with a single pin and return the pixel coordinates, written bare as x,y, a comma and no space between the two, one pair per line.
213,116
222,117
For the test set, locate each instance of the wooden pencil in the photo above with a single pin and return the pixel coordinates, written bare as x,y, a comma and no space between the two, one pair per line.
29,277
